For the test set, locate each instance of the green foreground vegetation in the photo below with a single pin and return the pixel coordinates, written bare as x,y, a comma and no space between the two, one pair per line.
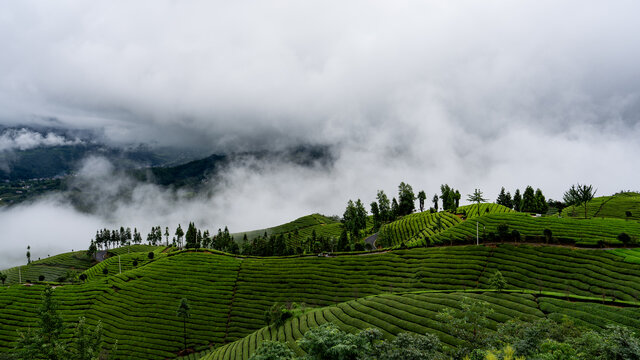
421,313
229,295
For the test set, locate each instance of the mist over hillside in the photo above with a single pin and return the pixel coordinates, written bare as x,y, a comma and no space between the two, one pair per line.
469,94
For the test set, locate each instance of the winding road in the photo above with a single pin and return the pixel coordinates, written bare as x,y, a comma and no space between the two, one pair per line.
371,240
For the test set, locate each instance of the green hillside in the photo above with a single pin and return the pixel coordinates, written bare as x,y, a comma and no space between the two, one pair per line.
614,206
70,265
229,294
126,261
298,230
581,232
416,313
52,268
414,228
421,229
135,248
471,211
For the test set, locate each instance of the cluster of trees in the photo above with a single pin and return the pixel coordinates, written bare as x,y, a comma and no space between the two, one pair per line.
515,339
540,339
535,202
195,238
449,197
106,238
355,218
328,342
386,211
529,201
284,245
154,237
274,245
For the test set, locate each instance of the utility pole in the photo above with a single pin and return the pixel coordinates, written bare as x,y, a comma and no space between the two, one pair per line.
477,238
119,267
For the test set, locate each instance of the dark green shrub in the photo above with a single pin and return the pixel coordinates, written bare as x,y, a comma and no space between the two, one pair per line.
624,238
503,231
278,313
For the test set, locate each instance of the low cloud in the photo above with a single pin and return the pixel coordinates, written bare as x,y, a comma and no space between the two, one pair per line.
48,226
25,139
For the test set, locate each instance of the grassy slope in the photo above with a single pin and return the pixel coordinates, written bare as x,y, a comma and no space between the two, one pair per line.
229,295
471,211
584,232
116,264
324,226
608,207
629,255
74,263
416,313
51,267
607,221
135,248
414,228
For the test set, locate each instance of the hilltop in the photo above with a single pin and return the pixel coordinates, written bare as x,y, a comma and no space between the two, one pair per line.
297,231
623,205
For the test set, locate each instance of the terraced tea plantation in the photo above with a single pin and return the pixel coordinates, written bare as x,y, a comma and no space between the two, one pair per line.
127,261
53,268
297,231
474,210
416,313
581,232
137,307
415,228
622,206
229,295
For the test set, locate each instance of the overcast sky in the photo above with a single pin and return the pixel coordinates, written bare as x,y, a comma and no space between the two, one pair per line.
474,94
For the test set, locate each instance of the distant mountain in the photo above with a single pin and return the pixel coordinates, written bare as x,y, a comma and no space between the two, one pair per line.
42,153
33,172
198,171
57,161
188,174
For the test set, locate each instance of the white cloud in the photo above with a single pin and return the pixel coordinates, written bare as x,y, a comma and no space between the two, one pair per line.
24,139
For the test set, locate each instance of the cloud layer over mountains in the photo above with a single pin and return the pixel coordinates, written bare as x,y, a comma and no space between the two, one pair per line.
467,93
